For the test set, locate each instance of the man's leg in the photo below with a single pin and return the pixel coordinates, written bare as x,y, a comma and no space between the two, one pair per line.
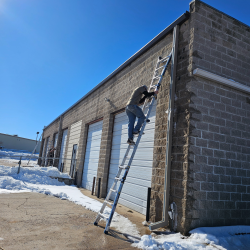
141,118
131,122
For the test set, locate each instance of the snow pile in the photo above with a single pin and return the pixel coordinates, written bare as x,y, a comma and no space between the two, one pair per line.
171,242
229,237
37,179
30,179
223,238
15,154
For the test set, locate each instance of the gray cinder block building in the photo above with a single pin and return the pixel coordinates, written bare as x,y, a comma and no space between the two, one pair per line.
208,176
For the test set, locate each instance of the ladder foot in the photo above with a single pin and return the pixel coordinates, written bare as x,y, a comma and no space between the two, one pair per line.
106,232
95,223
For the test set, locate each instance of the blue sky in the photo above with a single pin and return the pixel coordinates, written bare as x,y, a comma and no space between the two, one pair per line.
52,52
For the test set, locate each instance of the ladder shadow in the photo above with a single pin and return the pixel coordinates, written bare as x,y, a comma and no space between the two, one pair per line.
121,236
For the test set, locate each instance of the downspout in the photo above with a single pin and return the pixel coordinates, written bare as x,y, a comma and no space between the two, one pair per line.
164,221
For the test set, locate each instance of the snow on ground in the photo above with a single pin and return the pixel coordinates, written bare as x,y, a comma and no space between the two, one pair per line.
37,179
223,238
14,154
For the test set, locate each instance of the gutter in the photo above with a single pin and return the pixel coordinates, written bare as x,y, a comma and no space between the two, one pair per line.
150,44
164,221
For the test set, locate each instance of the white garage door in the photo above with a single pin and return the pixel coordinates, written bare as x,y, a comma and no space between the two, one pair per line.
134,192
74,137
92,154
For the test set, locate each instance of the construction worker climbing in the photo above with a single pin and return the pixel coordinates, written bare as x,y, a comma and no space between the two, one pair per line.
133,111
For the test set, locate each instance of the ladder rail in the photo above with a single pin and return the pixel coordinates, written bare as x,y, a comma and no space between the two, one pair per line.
128,165
35,148
126,171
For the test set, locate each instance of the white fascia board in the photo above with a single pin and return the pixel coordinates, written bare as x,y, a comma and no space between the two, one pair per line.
222,80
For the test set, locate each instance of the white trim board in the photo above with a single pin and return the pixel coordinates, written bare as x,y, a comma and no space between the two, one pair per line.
222,80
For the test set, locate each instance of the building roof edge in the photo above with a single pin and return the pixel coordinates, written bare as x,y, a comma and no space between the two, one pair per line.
150,44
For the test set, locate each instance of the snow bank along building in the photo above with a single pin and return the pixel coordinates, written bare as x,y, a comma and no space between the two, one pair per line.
208,176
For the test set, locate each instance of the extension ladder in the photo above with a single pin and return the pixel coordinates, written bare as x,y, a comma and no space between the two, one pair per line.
162,65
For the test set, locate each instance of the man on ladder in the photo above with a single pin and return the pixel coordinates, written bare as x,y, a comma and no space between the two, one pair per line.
133,111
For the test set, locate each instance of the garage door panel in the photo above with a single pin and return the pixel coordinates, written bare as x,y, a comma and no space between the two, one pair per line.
139,182
117,131
119,126
91,160
88,183
94,146
141,154
94,135
93,138
91,172
139,208
147,137
116,161
134,193
91,165
94,143
122,141
92,154
143,178
141,171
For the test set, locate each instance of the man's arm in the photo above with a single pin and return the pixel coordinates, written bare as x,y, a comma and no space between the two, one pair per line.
146,95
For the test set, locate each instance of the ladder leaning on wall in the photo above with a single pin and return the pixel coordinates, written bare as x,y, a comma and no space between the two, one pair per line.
161,66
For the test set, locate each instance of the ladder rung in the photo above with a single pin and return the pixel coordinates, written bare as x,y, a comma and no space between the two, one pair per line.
113,190
111,204
160,67
163,59
103,216
157,77
122,167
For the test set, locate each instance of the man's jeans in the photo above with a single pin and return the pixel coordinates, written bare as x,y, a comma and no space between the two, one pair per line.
132,112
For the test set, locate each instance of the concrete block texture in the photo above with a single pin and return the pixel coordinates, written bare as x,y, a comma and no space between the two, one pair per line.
118,90
220,131
210,172
226,40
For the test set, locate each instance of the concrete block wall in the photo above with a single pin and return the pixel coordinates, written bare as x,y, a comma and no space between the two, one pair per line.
220,154
182,128
218,184
118,90
210,151
221,43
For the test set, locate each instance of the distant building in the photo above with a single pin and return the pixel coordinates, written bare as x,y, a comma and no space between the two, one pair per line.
18,143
